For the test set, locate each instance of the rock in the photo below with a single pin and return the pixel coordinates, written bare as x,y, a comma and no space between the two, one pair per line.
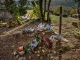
29,57
31,30
15,53
43,33
54,52
43,51
35,52
39,47
21,48
51,57
17,56
70,45
41,58
38,51
13,46
21,53
38,55
22,58
48,55
65,39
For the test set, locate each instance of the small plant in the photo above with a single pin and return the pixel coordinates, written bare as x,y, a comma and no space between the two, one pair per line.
77,34
64,49
36,11
75,24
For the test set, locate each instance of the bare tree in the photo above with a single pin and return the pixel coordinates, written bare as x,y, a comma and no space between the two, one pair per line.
48,16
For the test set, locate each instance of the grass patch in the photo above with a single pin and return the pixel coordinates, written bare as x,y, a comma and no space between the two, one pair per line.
64,19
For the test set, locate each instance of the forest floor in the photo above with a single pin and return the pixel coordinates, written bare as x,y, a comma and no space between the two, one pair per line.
10,43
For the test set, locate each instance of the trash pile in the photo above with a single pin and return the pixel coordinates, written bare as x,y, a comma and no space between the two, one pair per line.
37,41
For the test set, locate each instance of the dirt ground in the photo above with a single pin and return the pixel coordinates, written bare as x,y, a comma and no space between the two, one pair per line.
10,43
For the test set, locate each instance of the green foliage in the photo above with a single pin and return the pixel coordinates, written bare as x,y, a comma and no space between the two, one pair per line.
22,10
22,7
56,19
12,23
27,48
8,4
77,0
22,2
75,24
14,10
16,13
57,10
73,11
77,34
64,49
36,11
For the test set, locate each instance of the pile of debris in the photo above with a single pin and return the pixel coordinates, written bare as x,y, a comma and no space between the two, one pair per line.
40,39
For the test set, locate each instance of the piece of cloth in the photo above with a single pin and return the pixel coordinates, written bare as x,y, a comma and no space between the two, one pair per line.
34,43
51,38
47,27
45,39
59,37
39,26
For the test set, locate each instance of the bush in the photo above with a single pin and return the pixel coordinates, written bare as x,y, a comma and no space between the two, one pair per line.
73,11
13,23
57,10
75,24
75,15
77,34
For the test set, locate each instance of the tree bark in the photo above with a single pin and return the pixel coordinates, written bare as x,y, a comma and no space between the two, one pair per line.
41,9
78,10
44,8
48,16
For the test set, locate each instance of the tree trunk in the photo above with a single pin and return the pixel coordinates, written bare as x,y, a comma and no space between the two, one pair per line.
44,8
41,9
78,11
48,16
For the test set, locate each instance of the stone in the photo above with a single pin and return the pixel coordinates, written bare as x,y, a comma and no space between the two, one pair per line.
38,55
22,58
13,46
21,53
38,51
31,30
21,48
17,56
35,52
43,51
15,53
51,57
70,45
41,58
29,57
43,33
39,47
